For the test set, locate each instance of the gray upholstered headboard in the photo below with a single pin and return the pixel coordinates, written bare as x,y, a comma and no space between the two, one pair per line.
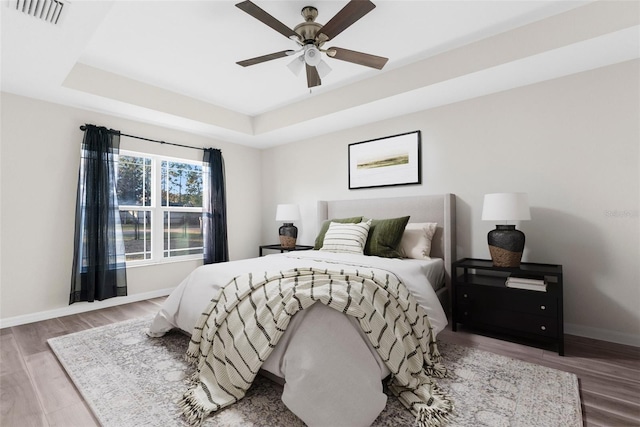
440,208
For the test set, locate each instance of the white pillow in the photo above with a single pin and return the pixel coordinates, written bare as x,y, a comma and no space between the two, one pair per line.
416,240
346,238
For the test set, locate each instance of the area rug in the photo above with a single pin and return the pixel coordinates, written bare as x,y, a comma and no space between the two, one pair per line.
129,379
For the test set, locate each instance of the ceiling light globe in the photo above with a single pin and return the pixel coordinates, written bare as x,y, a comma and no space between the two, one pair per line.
312,56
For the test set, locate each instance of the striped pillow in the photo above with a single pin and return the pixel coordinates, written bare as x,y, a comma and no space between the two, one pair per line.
346,238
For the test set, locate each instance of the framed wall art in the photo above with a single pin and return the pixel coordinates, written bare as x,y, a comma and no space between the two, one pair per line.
382,162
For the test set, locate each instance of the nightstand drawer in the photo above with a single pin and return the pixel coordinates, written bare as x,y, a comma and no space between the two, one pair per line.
523,301
510,320
524,322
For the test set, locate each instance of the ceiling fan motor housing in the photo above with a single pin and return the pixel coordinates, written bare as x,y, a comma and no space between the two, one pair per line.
308,29
309,13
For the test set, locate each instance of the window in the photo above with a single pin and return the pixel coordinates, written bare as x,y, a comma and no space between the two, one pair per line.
160,201
134,200
182,208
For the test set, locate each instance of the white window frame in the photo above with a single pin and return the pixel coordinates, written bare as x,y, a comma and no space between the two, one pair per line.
157,210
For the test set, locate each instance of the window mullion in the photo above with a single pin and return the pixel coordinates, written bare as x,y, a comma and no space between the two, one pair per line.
157,217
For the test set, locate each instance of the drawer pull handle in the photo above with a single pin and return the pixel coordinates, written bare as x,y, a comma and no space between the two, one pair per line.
465,295
542,307
544,328
465,313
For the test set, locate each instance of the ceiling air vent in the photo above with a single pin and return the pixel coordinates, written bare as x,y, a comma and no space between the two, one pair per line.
45,10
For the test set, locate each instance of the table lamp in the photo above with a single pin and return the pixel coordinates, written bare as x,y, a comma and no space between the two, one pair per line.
505,242
288,232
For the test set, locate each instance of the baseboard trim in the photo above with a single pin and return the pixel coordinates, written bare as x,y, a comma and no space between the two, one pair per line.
81,307
602,334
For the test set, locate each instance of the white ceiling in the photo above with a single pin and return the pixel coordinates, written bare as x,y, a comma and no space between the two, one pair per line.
173,62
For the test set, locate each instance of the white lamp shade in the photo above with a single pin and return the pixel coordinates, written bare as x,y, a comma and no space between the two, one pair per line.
506,207
287,213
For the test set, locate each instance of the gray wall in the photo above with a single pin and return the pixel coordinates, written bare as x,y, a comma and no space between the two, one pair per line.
572,144
39,176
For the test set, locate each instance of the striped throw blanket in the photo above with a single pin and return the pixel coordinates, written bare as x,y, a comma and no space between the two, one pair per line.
243,324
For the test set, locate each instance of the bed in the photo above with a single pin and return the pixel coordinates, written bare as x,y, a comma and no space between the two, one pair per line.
440,208
323,358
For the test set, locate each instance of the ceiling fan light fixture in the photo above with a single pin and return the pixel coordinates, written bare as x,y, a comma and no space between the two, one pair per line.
323,69
296,65
312,55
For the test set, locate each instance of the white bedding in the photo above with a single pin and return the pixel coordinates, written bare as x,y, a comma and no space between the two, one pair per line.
325,359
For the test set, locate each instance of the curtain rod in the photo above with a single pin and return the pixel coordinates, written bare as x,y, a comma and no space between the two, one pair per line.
83,127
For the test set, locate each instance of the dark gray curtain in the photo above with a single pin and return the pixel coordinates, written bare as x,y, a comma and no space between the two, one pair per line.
99,255
214,208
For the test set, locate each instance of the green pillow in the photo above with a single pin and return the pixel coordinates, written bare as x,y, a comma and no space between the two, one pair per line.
384,237
325,227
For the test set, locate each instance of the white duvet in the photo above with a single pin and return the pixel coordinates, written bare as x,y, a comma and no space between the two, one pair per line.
331,371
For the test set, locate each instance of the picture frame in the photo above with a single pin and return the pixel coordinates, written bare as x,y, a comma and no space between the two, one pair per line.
385,162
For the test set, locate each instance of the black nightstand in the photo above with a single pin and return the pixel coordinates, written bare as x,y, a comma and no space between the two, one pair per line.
281,249
482,301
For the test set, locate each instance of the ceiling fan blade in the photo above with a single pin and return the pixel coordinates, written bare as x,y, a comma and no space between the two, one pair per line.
262,16
360,58
313,78
263,58
349,14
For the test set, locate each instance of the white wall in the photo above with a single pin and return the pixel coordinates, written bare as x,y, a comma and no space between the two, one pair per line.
572,144
40,145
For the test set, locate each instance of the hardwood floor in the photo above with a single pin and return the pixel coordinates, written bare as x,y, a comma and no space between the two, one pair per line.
36,391
34,388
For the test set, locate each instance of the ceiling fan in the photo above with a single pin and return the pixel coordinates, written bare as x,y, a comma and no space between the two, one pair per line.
311,36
